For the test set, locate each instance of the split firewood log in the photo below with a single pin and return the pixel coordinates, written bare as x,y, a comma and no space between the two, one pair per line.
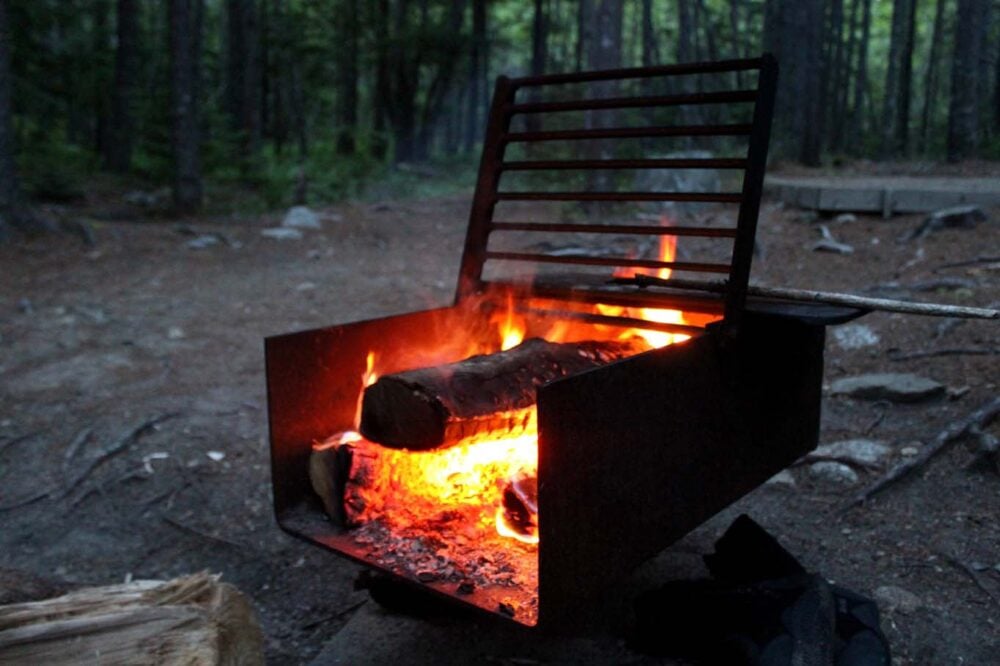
190,620
487,395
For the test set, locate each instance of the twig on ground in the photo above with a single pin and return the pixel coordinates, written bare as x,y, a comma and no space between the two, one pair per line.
970,262
877,421
334,616
183,527
14,441
25,501
74,447
949,351
974,575
120,445
955,430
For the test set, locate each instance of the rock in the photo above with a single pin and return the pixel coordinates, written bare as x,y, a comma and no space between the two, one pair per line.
844,218
956,217
280,233
855,336
862,451
897,599
894,387
301,217
175,333
201,242
833,472
909,451
783,478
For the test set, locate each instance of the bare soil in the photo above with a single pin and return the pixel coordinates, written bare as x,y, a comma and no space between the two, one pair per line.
97,340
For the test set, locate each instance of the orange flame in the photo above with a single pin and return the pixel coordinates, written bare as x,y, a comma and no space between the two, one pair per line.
409,489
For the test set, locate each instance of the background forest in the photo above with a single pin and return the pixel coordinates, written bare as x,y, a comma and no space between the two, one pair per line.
292,100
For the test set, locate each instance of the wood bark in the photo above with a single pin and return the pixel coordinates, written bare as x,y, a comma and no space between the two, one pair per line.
490,394
381,99
184,36
963,110
118,153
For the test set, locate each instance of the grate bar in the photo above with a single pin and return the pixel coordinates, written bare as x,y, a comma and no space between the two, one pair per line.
735,129
740,65
703,232
676,163
727,97
609,261
714,197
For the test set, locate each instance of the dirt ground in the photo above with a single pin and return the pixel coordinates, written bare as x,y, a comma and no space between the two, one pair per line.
96,341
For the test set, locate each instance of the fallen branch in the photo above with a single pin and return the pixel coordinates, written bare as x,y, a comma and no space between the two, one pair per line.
184,527
14,441
974,575
120,445
74,447
827,297
970,262
977,419
950,351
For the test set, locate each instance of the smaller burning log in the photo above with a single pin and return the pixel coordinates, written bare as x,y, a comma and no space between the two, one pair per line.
520,506
487,395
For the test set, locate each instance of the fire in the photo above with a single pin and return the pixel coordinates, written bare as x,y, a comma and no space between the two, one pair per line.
512,327
656,339
476,487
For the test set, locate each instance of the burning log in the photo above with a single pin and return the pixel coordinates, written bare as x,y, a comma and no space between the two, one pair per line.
488,395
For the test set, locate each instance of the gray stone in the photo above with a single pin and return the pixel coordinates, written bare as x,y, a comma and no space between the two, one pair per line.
893,598
301,217
280,233
895,387
855,336
844,218
833,472
201,242
783,478
862,451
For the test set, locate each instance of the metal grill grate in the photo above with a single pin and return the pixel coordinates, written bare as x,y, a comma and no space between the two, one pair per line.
536,142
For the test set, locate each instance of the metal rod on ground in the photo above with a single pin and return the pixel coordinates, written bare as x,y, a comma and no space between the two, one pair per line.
828,297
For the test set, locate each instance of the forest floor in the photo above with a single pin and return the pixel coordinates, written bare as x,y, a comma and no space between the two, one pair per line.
98,340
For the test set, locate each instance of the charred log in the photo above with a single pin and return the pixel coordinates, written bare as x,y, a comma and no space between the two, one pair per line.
484,395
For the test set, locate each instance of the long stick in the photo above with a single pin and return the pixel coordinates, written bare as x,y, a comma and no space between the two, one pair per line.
828,297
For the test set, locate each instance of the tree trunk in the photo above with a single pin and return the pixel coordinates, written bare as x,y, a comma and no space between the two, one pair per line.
184,63
347,95
963,110
931,75
380,102
243,79
861,75
9,192
477,95
118,155
584,31
896,105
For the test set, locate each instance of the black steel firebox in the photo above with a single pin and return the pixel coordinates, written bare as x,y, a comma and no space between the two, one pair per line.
631,455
